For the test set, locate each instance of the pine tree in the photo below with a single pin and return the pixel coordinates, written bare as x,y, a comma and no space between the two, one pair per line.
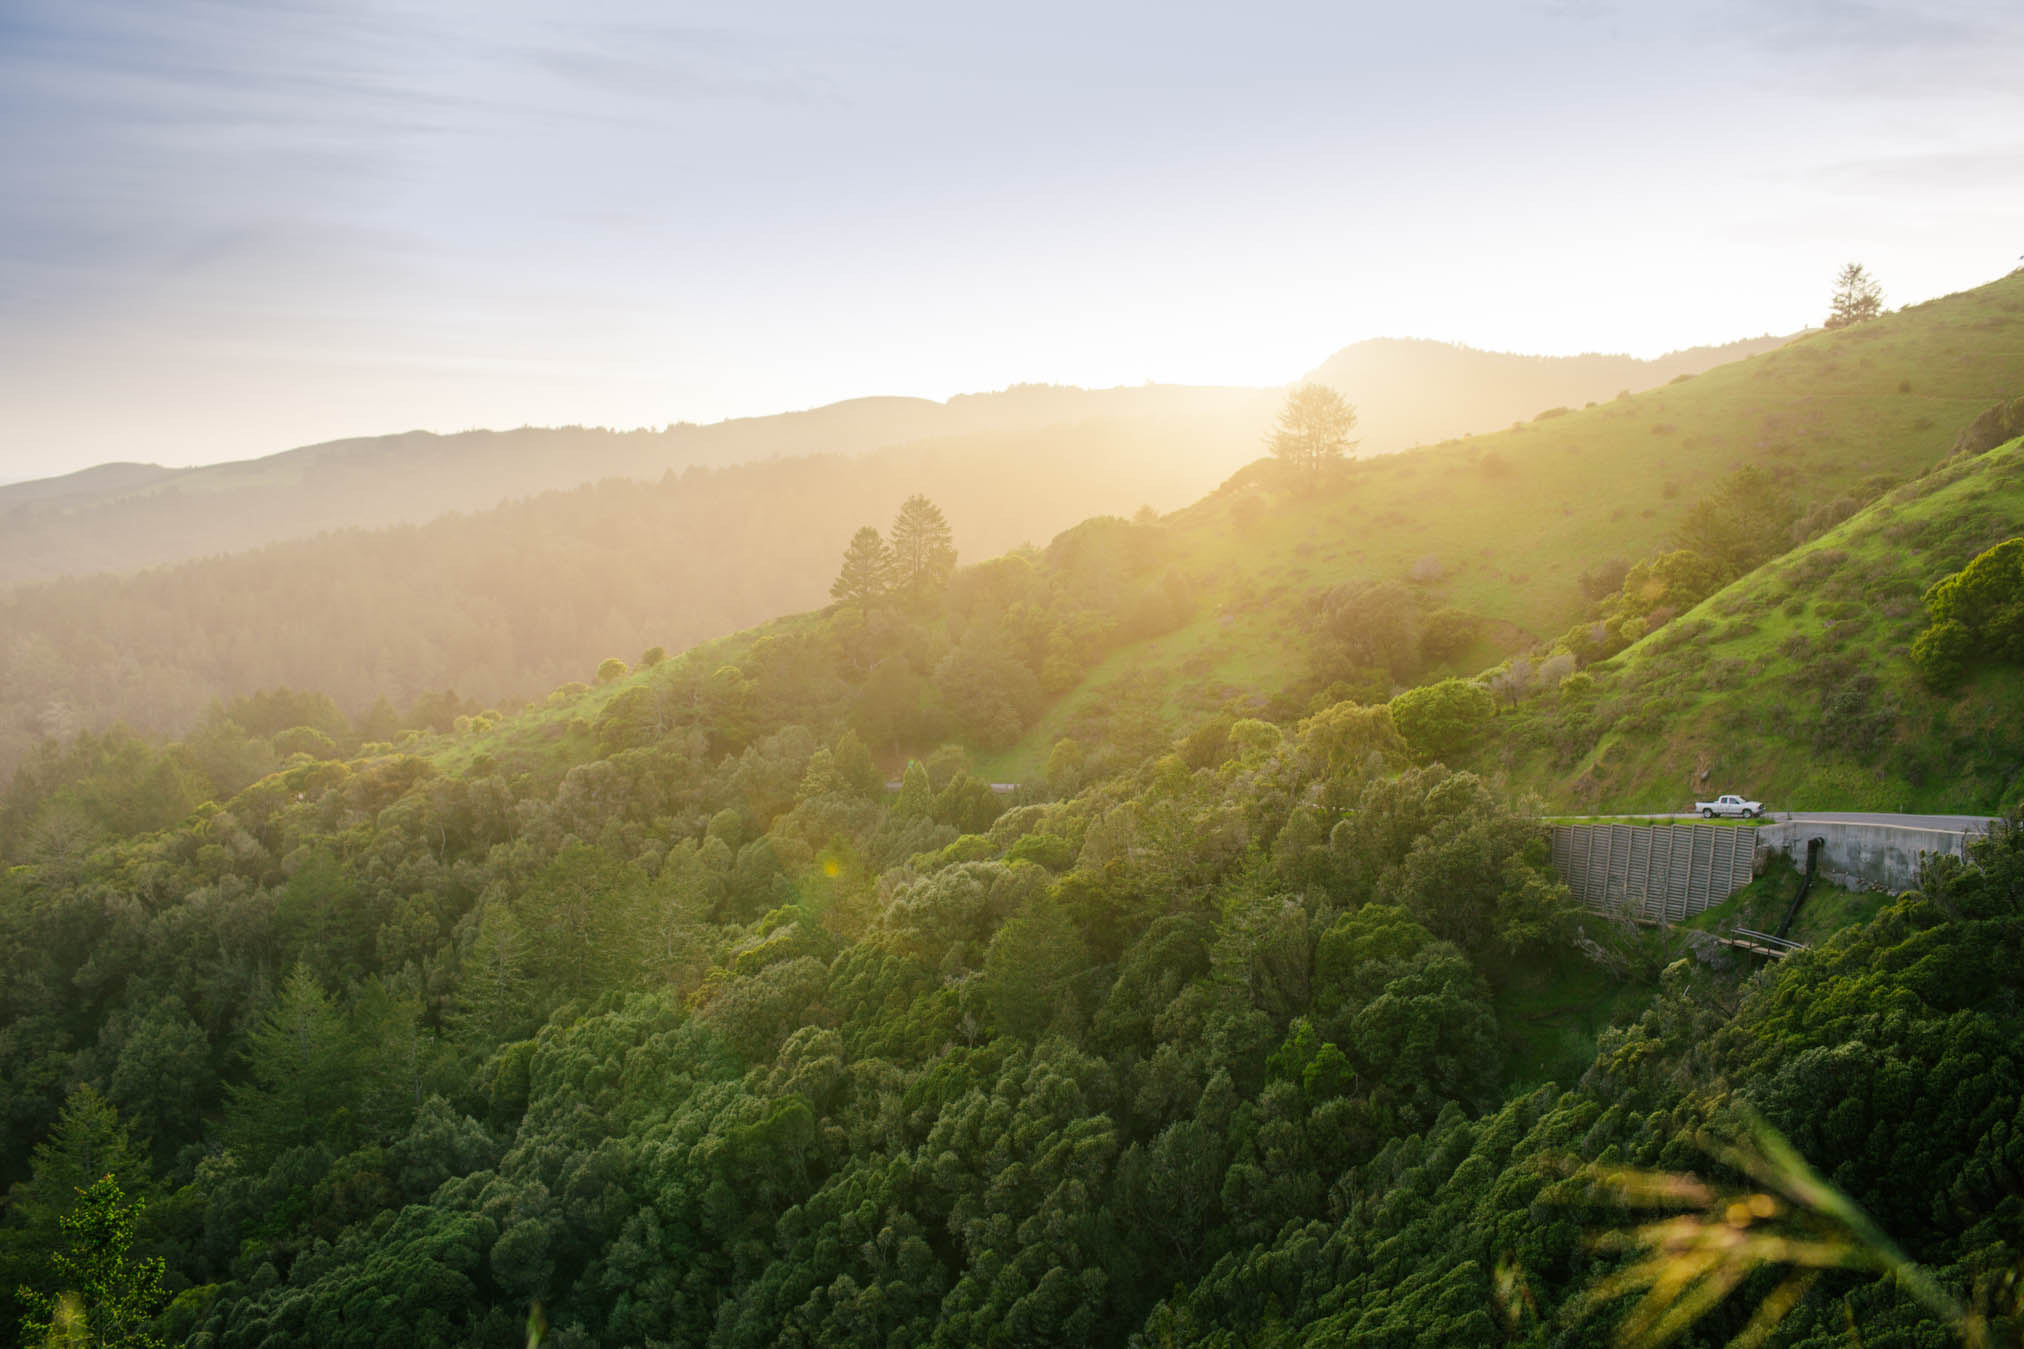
1313,431
867,575
491,1001
88,1141
924,551
299,1057
1857,297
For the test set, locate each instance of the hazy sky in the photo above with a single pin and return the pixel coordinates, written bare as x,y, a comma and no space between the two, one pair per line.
233,226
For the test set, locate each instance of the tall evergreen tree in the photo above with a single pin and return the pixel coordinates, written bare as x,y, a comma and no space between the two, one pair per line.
88,1142
924,551
1313,431
300,1060
867,575
104,1299
1857,297
491,1001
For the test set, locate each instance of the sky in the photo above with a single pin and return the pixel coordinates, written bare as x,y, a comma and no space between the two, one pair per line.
229,227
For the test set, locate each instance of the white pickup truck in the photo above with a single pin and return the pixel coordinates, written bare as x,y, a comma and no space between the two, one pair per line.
1730,804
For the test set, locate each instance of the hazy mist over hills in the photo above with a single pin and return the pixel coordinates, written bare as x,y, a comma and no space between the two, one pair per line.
1411,391
117,517
121,516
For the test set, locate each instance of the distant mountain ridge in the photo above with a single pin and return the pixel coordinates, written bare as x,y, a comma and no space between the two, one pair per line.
121,517
1413,391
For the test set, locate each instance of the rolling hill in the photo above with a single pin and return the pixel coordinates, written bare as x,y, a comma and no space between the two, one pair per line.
1796,684
1501,528
1410,391
119,517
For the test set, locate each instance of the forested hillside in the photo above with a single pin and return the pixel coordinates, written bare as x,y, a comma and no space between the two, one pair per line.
506,604
118,517
1482,555
1251,1012
1154,866
655,1016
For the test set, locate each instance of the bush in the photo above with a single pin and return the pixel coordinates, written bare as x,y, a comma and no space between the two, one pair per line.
1447,635
1439,720
1604,578
304,740
611,669
1941,653
1978,611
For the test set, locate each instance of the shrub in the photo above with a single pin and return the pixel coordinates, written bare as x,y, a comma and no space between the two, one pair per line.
1604,578
1994,426
1438,720
304,740
610,669
1977,611
1447,634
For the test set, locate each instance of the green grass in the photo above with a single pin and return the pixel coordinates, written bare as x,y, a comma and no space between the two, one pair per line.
1516,516
1552,1012
1795,686
1762,904
1652,821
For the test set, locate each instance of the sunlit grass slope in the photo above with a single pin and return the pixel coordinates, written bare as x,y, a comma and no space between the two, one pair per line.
1507,522
1794,685
1502,527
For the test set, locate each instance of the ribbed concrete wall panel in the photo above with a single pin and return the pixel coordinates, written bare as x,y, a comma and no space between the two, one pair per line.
1667,872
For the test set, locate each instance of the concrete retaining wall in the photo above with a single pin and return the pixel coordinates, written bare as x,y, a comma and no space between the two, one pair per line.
1665,872
1863,856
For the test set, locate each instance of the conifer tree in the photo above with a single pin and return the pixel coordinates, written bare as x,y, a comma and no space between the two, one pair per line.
1857,297
299,1058
88,1141
924,551
867,575
491,1001
1313,431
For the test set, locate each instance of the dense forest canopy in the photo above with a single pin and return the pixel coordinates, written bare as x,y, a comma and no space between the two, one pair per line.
658,1016
740,996
502,605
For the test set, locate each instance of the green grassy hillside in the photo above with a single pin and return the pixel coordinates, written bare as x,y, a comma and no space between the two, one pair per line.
1795,684
1503,526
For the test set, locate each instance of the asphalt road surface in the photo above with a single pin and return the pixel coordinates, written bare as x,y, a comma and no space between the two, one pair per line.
1953,823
